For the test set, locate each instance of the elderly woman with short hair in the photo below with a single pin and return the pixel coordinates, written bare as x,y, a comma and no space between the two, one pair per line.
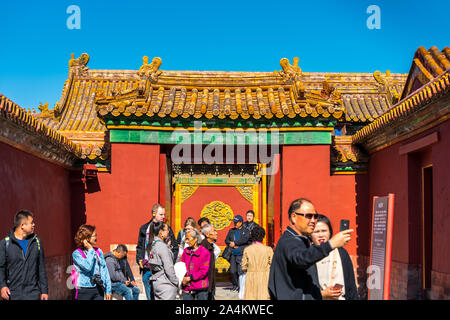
197,259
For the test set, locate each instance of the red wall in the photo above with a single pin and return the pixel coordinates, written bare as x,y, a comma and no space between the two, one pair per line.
122,200
390,172
306,174
441,200
343,201
34,184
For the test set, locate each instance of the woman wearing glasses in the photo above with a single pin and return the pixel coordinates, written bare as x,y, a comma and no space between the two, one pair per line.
335,272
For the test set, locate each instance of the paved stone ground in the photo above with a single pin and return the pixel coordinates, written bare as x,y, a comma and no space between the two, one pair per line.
223,292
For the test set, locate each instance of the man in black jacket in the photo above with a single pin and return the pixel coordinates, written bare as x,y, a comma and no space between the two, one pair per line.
293,275
210,234
250,223
158,215
238,239
22,266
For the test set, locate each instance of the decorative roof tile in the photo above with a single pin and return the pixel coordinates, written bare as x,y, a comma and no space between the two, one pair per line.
88,95
13,113
426,65
431,91
345,151
269,94
221,95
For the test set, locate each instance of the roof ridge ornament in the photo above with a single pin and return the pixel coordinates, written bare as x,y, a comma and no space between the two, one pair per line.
384,83
78,66
328,92
150,71
292,74
45,112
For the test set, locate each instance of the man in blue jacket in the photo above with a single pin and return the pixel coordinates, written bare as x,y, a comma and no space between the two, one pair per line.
293,275
238,239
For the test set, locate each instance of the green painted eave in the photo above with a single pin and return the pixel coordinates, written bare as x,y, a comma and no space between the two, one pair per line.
249,137
297,122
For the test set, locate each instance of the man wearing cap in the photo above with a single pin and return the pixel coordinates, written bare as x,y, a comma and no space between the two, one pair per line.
237,238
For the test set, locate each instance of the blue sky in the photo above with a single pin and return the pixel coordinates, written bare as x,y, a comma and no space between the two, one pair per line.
245,35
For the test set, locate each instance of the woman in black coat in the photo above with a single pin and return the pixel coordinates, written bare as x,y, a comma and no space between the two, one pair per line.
335,272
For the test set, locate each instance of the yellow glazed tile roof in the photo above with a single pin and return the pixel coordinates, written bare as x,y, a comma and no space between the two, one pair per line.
89,95
12,112
433,90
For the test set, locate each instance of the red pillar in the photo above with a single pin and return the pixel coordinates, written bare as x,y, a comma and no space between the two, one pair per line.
277,200
162,176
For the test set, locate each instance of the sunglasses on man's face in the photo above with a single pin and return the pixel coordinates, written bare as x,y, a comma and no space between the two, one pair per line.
308,216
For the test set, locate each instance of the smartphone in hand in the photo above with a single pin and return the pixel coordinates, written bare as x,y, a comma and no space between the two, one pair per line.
345,225
338,286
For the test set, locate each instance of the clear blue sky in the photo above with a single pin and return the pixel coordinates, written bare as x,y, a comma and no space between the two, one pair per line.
243,35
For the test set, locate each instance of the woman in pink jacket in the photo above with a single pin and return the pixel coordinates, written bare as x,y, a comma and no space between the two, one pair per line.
196,257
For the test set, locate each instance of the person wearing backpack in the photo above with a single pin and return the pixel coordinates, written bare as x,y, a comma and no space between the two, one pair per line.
90,275
22,265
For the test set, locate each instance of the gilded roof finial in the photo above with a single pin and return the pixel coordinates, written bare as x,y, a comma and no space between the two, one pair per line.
148,72
290,72
384,82
43,108
78,66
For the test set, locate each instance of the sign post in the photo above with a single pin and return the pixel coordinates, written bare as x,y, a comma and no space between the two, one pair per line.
379,279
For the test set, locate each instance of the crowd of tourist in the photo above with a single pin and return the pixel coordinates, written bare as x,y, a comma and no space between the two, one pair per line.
309,262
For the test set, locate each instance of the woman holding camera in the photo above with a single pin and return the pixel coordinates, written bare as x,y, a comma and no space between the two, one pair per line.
90,275
335,272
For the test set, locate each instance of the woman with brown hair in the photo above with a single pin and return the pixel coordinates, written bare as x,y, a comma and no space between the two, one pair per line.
189,225
90,275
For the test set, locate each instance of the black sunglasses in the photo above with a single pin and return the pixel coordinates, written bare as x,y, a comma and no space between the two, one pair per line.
308,216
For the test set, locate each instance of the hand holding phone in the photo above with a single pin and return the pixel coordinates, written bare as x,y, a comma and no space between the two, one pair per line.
345,225
338,286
